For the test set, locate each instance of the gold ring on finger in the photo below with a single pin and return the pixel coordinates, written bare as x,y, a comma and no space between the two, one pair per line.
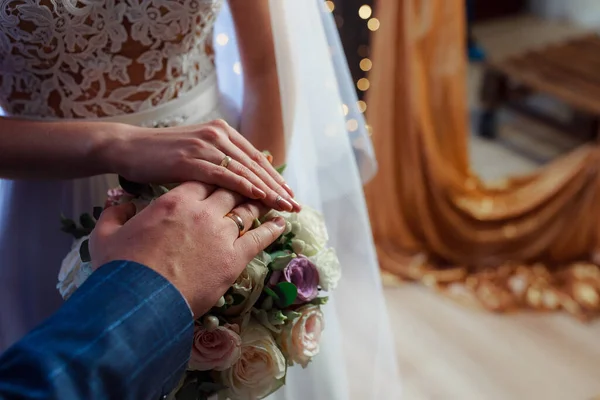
225,162
238,221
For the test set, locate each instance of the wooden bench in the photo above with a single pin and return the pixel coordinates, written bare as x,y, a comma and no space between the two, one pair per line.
569,72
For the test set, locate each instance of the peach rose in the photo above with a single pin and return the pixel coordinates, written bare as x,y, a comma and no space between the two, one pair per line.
301,336
259,370
217,349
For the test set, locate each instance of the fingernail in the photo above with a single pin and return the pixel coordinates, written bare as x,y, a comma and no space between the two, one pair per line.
296,204
280,222
258,193
284,205
288,189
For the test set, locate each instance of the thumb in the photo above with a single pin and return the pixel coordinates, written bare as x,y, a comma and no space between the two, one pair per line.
258,239
114,218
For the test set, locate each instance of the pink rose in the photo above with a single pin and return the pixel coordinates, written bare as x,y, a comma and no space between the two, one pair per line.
114,197
217,349
300,337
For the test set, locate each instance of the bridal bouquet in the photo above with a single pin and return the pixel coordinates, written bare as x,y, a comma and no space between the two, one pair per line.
269,320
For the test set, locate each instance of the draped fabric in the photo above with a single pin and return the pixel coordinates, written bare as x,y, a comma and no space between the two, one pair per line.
526,242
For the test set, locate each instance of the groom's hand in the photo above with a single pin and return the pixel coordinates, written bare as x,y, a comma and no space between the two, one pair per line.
185,236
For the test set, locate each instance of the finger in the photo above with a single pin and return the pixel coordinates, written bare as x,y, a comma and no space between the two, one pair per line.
258,239
252,170
277,199
248,212
114,218
225,200
198,190
258,157
208,172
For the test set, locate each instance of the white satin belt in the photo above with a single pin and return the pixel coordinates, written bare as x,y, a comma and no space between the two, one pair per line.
198,105
201,104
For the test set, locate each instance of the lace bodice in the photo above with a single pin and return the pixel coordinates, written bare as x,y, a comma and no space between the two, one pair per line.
99,58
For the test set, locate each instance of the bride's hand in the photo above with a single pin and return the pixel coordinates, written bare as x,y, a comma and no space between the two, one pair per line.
195,153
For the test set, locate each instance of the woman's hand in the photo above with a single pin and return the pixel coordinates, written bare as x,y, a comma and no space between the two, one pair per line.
196,153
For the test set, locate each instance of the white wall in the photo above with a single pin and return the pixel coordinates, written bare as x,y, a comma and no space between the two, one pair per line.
582,12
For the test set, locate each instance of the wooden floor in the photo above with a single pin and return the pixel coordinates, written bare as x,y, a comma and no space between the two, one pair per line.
447,352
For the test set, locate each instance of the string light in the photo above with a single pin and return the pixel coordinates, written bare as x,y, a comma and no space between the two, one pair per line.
365,11
222,39
362,106
366,64
363,84
352,125
330,5
373,24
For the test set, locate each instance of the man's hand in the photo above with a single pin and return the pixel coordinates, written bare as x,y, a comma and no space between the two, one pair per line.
185,236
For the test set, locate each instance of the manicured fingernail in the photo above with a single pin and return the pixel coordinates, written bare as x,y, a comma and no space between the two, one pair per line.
283,204
258,193
296,204
280,222
288,189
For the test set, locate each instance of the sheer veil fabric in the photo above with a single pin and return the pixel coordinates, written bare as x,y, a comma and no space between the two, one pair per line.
329,158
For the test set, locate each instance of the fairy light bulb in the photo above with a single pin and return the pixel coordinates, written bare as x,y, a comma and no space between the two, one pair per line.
222,39
330,6
362,106
352,125
365,11
373,24
363,84
366,64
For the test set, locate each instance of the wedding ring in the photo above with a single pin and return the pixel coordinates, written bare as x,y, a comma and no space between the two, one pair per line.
238,221
225,162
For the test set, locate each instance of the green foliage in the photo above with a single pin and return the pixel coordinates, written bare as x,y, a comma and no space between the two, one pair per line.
319,301
286,294
84,251
281,169
70,227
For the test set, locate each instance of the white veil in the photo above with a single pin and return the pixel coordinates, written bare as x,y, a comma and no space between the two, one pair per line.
329,157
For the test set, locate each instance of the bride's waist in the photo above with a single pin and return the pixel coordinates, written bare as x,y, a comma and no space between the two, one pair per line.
196,105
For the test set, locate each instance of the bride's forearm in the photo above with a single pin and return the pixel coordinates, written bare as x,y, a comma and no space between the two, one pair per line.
56,150
262,120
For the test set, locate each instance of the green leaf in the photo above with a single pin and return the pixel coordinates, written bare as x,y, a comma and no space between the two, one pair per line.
96,213
280,259
287,294
87,221
271,293
281,169
256,223
84,251
159,190
319,301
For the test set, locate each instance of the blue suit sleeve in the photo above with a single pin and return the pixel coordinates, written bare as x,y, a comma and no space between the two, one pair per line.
126,333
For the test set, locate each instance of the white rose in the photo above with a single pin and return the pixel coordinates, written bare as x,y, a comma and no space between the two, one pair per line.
308,226
260,368
250,285
301,336
330,270
73,272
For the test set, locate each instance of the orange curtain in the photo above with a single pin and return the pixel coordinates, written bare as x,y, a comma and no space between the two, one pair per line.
527,243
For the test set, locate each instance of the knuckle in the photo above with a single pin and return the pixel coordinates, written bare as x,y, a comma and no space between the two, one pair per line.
257,156
212,133
220,123
196,144
199,217
169,204
242,170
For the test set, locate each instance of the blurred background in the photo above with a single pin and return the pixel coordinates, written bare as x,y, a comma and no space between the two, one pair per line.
485,119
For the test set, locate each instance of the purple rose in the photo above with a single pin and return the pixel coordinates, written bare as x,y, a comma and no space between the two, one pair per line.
304,275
